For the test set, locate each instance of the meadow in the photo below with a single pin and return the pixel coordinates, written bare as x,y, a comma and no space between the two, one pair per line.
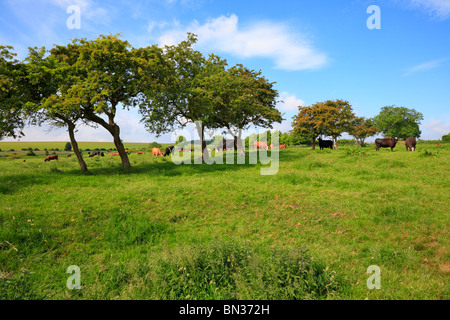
166,231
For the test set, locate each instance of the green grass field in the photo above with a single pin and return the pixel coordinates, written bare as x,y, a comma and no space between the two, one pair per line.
166,231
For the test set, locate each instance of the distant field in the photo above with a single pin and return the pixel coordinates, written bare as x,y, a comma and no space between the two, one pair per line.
166,231
18,145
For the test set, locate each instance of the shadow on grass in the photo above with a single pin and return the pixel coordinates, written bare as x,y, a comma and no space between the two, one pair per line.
10,184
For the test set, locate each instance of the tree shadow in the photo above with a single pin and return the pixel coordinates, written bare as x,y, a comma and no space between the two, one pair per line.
10,184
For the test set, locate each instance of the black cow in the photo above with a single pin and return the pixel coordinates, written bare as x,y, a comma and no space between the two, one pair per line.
385,143
169,150
325,144
410,144
227,144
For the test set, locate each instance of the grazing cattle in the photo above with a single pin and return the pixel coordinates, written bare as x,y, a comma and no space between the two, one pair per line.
69,155
281,146
51,157
102,154
260,145
385,143
95,153
325,144
410,144
225,144
169,150
140,152
157,152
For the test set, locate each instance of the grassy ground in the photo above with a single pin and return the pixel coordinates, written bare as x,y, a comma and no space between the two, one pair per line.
166,231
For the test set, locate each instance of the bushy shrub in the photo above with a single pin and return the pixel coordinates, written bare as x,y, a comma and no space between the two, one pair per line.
346,142
14,156
68,147
231,270
446,138
155,145
31,153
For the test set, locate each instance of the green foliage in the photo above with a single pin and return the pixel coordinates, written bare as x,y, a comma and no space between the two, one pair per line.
231,270
14,156
428,153
68,147
155,145
446,138
398,122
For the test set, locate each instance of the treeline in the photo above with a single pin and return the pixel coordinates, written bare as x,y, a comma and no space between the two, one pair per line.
332,118
87,81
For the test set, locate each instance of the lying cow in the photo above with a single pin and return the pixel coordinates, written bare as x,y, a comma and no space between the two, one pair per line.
95,153
169,150
385,143
410,144
260,145
157,152
51,157
325,144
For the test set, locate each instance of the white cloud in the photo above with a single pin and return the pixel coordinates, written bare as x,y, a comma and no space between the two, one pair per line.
439,9
435,129
429,65
276,41
290,102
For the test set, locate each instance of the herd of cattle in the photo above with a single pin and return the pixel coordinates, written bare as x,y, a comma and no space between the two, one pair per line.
410,144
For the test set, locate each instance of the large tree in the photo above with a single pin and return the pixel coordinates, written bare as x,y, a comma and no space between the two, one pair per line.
107,75
14,92
51,80
240,97
179,98
336,117
307,123
399,122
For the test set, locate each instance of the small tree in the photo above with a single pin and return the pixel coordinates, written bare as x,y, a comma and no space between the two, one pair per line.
307,124
68,147
361,129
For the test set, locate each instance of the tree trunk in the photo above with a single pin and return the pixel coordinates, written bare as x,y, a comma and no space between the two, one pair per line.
77,152
120,147
114,130
313,143
201,133
238,141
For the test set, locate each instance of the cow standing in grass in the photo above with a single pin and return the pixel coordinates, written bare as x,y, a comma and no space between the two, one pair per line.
385,143
169,150
157,152
260,145
325,144
410,144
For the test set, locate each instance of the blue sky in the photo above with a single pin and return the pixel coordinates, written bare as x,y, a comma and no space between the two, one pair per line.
313,50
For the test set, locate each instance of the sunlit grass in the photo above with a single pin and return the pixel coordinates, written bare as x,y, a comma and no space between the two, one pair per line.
130,231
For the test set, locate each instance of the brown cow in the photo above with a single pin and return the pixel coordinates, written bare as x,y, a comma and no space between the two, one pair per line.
385,143
51,157
157,152
260,145
282,146
410,144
